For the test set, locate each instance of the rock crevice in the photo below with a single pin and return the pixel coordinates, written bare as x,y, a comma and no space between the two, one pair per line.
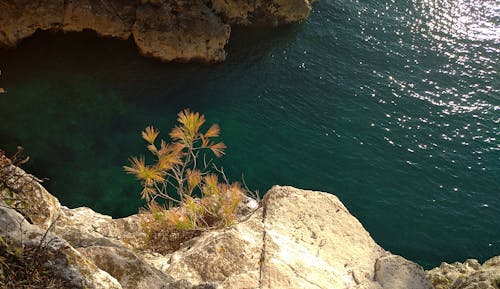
263,249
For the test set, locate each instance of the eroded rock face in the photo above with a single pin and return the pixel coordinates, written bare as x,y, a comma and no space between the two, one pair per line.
230,258
82,227
67,262
263,12
298,239
127,267
23,192
313,241
111,18
468,275
398,273
178,30
21,18
295,239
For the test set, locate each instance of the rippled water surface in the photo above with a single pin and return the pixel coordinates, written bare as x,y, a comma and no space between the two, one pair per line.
394,107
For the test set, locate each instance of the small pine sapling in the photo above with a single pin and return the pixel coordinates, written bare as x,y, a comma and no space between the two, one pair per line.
182,186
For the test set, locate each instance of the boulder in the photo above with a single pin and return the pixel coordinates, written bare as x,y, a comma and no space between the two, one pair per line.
468,275
398,273
313,241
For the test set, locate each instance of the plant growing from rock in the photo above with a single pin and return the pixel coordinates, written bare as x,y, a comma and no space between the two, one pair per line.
183,189
25,268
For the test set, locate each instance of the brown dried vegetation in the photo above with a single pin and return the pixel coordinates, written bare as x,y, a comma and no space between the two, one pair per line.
23,268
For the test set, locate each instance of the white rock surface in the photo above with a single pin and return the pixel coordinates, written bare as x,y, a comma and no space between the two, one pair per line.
295,239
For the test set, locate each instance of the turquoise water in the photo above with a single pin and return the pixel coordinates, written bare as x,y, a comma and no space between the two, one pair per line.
394,107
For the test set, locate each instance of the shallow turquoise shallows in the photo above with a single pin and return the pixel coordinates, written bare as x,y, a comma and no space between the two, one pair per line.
394,107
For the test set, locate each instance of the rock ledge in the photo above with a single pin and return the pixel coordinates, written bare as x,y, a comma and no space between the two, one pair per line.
294,239
178,30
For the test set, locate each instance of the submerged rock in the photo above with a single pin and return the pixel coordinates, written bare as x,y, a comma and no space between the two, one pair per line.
179,30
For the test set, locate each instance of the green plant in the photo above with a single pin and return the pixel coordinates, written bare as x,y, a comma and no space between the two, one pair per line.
183,189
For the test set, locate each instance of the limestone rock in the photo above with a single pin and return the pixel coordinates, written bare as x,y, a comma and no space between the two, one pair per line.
21,18
298,239
263,12
112,18
129,269
395,272
82,227
68,263
295,239
228,257
467,275
312,241
23,192
180,30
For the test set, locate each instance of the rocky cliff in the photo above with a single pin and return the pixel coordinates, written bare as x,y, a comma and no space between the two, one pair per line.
467,275
293,239
177,30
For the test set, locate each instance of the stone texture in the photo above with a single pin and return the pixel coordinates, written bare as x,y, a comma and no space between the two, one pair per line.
127,267
112,18
294,239
178,30
82,227
395,272
68,262
263,12
21,18
298,239
23,192
468,275
181,31
312,241
228,257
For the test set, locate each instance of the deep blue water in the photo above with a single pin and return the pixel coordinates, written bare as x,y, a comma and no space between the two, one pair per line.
394,107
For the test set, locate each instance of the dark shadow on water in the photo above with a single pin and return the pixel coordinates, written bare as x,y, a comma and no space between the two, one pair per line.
248,45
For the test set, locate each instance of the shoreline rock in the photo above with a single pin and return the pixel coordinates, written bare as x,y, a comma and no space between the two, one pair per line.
467,275
294,239
179,30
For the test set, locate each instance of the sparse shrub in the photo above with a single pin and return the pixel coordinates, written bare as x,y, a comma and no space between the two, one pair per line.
183,189
23,268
